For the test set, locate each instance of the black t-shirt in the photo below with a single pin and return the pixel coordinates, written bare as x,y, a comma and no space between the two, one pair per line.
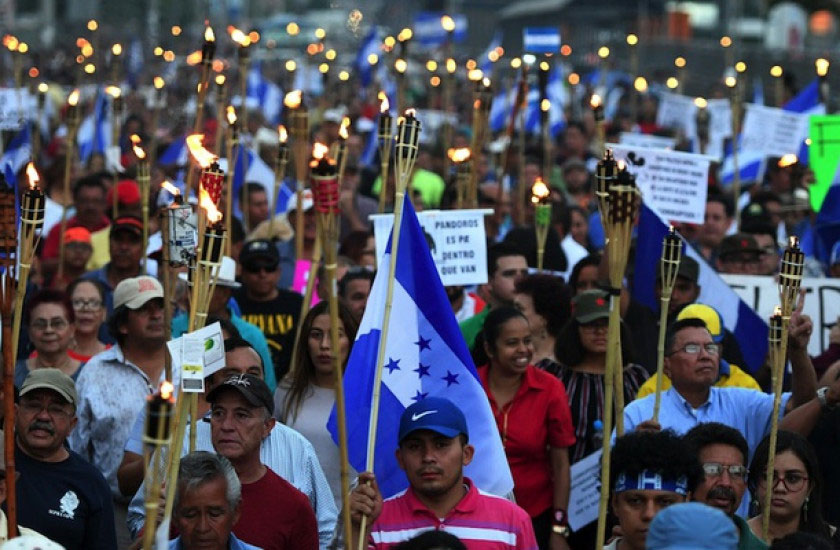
68,502
277,319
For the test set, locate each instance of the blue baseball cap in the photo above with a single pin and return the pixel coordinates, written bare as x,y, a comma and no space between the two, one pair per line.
691,526
436,414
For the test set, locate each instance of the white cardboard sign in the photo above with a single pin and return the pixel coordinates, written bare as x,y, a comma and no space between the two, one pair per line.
772,131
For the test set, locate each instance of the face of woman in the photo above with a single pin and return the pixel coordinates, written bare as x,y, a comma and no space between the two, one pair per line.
587,279
525,304
88,307
790,493
579,228
593,336
320,350
512,351
49,328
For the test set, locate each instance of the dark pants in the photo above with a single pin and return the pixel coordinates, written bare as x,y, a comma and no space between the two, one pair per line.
542,528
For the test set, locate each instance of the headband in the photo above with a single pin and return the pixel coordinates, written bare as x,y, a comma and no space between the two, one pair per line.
649,480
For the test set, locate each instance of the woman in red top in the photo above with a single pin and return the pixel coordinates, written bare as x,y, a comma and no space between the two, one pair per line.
534,420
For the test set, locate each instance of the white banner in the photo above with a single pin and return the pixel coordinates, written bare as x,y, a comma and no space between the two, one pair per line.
773,131
822,302
456,239
675,183
632,139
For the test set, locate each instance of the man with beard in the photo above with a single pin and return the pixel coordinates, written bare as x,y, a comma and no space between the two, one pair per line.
433,450
113,385
125,242
59,494
722,452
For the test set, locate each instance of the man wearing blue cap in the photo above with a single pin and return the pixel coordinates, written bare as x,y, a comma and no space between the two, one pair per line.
692,526
433,450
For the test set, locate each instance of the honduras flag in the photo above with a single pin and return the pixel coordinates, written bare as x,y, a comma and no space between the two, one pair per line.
371,146
425,356
17,154
370,45
501,109
485,64
751,165
95,130
250,168
556,93
266,93
177,153
749,329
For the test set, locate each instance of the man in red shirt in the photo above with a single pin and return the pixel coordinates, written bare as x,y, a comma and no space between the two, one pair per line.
274,515
433,450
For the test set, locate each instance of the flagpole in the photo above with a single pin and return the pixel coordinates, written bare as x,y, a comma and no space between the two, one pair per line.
408,133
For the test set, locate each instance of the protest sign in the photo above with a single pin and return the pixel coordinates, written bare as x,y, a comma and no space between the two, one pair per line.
196,355
720,126
678,112
456,239
12,112
822,302
672,181
772,131
823,155
633,139
585,491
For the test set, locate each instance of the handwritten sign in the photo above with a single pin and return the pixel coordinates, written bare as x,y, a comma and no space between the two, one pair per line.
585,491
673,181
773,131
456,239
678,112
822,302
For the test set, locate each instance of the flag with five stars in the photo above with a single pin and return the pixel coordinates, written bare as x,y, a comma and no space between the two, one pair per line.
425,356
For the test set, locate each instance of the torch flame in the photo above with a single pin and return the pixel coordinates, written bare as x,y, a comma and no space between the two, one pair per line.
293,99
788,160
32,175
231,115
205,202
113,91
793,242
73,99
385,105
459,155
319,151
237,35
166,184
194,58
220,79
208,34
138,151
166,390
345,123
283,134
777,311
410,113
539,191
159,82
202,156
595,102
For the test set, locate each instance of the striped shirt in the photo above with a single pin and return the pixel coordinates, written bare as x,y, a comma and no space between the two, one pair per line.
482,522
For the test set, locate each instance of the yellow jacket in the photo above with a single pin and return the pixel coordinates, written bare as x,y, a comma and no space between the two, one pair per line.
730,376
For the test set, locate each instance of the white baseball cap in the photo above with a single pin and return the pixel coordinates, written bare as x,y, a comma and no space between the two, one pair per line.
308,201
135,292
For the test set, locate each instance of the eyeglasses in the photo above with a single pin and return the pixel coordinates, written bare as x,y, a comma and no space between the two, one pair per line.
55,410
256,268
89,305
55,324
694,349
793,481
594,326
736,472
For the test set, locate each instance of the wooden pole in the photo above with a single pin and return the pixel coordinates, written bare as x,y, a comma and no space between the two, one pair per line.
279,176
69,160
669,265
8,240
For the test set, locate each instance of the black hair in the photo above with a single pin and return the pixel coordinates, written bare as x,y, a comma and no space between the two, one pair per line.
569,349
237,231
710,433
248,189
499,250
115,321
225,324
524,240
576,124
552,299
663,452
801,540
497,317
237,342
591,260
724,199
94,180
50,296
432,540
355,273
812,521
561,215
677,326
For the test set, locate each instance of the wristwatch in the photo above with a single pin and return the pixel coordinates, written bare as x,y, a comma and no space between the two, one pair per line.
559,523
822,396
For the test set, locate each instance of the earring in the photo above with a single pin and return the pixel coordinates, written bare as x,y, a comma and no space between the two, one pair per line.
805,508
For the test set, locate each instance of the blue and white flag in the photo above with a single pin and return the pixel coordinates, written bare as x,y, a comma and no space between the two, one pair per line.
556,92
425,356
265,93
370,46
484,62
17,154
250,168
429,32
751,165
807,101
501,109
94,134
758,91
134,62
371,146
177,153
541,39
749,329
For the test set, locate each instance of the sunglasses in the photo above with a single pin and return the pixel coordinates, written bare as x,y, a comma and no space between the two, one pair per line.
256,268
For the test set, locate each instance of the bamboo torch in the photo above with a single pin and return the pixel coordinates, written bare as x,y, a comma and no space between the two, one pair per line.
482,101
777,364
158,83
405,154
299,129
232,145
542,216
622,203
69,159
43,87
116,115
143,183
244,61
279,173
156,435
208,50
735,102
702,119
463,173
822,65
385,130
326,190
8,244
220,112
669,265
790,280
600,125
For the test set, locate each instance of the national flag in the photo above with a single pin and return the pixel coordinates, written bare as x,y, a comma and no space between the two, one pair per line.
17,154
94,134
250,168
177,153
370,46
425,356
134,62
265,93
758,91
429,31
485,64
501,109
749,329
807,101
371,146
556,92
541,39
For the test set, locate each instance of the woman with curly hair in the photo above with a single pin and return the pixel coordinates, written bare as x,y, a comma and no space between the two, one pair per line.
304,399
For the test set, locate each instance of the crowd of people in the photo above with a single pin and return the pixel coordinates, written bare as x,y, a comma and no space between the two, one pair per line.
266,472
